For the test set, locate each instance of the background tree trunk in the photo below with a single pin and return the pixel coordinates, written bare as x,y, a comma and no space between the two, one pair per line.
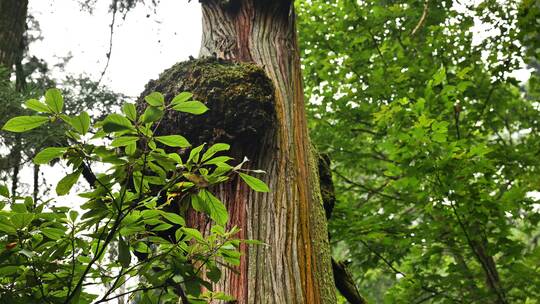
12,28
295,267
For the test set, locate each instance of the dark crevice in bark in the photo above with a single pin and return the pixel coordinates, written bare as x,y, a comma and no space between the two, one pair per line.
342,277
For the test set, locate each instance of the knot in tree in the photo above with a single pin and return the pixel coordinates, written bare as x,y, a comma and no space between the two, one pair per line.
240,98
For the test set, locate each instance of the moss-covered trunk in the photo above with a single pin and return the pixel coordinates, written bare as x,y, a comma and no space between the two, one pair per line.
295,266
250,80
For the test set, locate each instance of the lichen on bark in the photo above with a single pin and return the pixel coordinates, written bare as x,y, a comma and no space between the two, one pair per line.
240,98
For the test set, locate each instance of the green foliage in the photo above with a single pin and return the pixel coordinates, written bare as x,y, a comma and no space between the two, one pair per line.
79,94
53,254
434,145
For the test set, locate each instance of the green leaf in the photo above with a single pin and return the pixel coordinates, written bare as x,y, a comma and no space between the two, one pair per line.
194,233
19,208
141,247
213,273
130,111
206,202
214,149
116,122
173,141
175,157
220,160
22,220
192,107
80,123
152,114
4,191
66,183
24,123
131,149
73,214
440,76
254,183
124,255
7,228
155,99
48,154
37,106
124,141
194,153
54,99
6,271
53,233
162,227
182,97
174,218
440,126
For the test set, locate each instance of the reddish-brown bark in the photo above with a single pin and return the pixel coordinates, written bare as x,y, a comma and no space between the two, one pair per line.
295,266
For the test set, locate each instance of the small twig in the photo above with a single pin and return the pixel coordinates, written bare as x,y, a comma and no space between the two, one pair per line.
111,34
378,190
422,19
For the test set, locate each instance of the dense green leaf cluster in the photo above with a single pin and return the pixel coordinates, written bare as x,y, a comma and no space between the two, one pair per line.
434,145
136,208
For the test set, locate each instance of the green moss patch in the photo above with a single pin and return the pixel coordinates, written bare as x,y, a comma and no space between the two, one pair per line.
239,95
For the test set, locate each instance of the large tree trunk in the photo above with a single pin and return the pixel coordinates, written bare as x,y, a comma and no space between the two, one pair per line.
12,28
295,267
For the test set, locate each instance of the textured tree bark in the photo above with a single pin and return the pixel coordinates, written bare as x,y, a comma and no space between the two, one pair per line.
12,28
295,267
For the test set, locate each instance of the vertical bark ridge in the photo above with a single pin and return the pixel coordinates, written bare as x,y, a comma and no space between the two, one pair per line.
294,267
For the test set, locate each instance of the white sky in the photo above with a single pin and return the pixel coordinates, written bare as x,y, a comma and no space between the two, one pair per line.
142,46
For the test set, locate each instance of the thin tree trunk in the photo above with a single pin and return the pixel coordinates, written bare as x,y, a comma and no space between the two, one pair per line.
12,28
295,267
15,158
36,185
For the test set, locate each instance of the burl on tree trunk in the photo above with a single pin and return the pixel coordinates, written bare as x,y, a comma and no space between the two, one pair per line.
253,87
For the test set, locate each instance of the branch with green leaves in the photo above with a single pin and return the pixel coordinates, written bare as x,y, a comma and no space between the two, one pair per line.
128,212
